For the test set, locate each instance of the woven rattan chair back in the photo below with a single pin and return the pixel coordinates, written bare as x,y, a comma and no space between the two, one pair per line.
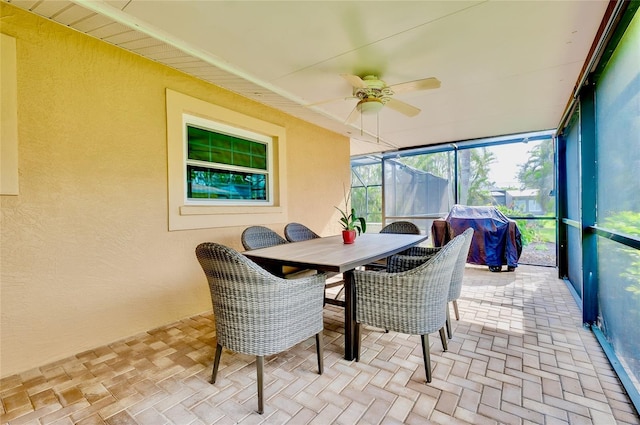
401,227
257,313
419,255
296,232
256,237
411,302
405,227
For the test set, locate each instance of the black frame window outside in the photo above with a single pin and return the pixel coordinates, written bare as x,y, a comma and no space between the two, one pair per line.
224,168
600,280
455,149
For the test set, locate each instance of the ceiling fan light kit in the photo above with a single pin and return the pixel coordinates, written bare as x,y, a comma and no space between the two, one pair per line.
370,106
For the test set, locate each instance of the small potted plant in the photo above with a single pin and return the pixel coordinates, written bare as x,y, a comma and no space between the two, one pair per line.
350,221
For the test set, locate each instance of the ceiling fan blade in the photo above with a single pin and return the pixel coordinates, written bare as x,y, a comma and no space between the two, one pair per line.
354,80
403,108
352,116
424,84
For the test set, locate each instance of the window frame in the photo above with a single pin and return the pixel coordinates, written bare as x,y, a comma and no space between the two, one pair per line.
221,128
183,215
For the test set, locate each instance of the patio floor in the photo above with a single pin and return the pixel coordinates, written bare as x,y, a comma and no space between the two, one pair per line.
519,355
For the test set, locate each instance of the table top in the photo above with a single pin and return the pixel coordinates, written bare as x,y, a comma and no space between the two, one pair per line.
331,254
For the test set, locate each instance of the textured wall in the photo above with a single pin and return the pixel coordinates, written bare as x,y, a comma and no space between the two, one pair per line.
86,257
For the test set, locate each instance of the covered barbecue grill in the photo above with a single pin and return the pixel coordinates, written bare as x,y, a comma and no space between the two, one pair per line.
497,241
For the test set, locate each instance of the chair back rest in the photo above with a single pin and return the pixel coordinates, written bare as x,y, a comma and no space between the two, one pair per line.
458,269
256,237
256,312
296,232
403,227
411,302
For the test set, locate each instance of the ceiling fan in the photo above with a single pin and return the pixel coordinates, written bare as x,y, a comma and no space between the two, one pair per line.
373,94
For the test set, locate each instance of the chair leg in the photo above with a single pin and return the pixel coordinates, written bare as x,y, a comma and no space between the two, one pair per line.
426,356
319,352
216,363
455,309
358,342
260,381
443,338
448,323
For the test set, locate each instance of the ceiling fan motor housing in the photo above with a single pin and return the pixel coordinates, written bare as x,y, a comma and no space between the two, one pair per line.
375,90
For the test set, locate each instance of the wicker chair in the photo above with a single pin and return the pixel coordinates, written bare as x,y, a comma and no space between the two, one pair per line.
256,237
404,227
401,227
257,313
419,255
411,302
296,232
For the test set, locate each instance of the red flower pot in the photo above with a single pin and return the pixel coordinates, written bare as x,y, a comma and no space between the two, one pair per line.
348,236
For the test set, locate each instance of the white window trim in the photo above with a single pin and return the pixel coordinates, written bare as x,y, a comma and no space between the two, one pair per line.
218,127
185,215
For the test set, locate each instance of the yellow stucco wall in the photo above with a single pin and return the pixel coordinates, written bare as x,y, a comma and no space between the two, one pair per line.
86,255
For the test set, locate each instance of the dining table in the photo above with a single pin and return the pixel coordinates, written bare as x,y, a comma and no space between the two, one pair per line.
331,254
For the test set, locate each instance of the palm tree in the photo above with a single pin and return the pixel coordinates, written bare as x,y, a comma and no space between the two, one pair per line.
479,192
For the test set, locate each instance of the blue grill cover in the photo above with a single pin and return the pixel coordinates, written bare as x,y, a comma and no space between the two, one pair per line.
496,239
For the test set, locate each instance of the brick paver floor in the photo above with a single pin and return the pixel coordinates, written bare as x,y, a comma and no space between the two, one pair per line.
519,355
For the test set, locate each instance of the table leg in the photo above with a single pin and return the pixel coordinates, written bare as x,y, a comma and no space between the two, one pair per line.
349,316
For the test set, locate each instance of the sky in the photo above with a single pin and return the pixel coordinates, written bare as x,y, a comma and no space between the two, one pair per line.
508,158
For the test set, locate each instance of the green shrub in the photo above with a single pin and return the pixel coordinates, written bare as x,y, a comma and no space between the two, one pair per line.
527,231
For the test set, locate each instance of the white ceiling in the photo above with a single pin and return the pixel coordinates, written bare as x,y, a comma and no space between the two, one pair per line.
505,66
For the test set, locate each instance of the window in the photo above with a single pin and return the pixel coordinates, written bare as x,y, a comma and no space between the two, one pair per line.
618,205
515,173
366,190
225,165
515,176
224,168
